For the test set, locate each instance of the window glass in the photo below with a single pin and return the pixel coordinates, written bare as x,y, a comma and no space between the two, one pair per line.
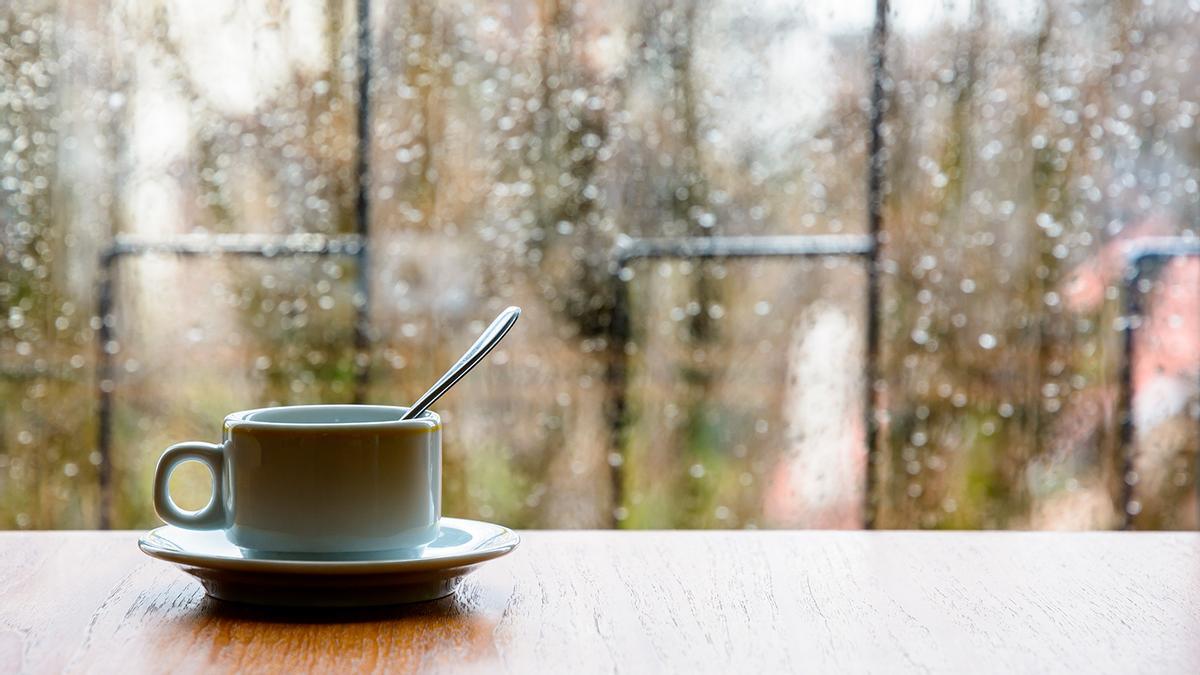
525,153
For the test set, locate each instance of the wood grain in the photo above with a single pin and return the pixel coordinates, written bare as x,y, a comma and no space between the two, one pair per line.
645,602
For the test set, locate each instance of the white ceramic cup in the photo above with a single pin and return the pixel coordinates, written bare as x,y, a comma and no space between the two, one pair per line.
316,478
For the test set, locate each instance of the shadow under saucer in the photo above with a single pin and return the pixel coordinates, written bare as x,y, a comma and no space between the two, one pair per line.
447,608
324,590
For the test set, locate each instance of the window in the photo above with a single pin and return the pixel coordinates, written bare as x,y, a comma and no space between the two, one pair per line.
554,155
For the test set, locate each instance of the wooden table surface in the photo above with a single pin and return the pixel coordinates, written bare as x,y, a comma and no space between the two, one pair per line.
584,602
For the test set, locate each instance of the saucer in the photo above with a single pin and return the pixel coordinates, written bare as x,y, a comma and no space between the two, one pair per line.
231,573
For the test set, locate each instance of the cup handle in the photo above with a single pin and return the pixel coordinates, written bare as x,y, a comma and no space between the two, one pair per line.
212,516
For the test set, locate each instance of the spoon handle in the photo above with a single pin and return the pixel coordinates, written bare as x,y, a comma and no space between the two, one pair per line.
490,338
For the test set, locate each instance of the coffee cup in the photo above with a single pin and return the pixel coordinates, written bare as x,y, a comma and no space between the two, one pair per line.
316,479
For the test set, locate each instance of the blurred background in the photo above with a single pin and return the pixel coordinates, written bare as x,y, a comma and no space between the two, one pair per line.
182,235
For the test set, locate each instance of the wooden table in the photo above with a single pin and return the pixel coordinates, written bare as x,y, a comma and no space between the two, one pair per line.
584,602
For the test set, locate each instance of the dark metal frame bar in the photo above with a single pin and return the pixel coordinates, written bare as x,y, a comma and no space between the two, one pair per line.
795,246
875,179
362,204
1137,256
259,246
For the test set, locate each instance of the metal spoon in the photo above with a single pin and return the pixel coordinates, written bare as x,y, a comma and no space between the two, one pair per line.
489,339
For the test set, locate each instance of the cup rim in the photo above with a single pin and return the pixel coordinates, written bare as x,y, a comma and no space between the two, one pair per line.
243,418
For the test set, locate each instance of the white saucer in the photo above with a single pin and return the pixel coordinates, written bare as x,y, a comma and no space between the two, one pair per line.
340,580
